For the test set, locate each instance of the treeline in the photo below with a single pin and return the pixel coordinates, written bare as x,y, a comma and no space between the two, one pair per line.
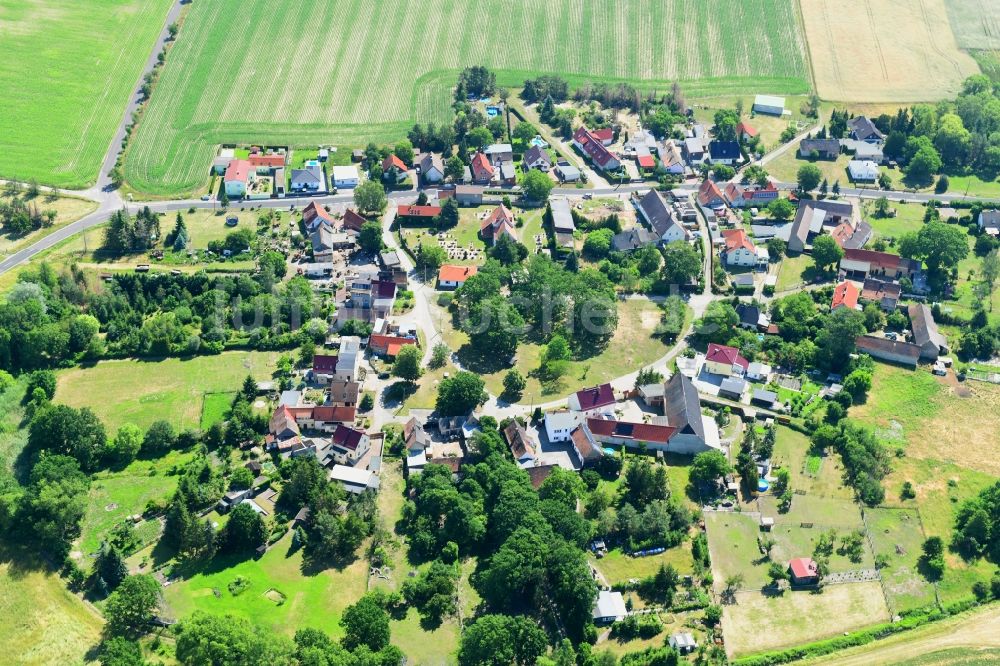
51,319
866,460
19,215
126,234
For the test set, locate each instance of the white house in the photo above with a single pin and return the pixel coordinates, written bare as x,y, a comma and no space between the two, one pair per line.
758,372
236,177
609,607
345,176
559,424
863,170
769,104
432,168
354,480
453,277
739,250
654,210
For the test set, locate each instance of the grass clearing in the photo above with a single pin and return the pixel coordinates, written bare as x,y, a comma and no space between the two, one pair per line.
42,623
759,622
267,101
910,56
618,567
142,391
69,68
68,210
897,535
214,408
793,271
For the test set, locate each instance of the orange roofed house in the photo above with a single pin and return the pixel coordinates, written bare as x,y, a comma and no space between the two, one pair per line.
739,250
845,296
394,168
453,277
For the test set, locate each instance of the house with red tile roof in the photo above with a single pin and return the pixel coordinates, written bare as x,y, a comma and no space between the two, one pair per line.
845,295
267,160
594,148
388,345
804,571
605,135
324,366
237,175
418,213
482,171
593,400
739,196
353,220
613,433
745,131
453,277
709,194
726,361
392,166
739,249
522,445
497,223
314,215
860,264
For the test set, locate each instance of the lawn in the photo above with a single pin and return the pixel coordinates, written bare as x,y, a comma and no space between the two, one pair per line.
816,475
314,600
898,535
41,623
909,219
214,408
786,166
69,68
759,622
768,127
631,348
68,209
266,102
793,271
618,567
142,391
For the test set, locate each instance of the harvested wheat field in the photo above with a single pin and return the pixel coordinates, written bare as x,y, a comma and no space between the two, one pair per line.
884,50
758,622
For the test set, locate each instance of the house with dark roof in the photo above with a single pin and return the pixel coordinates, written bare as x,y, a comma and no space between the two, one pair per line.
657,214
853,238
824,149
431,168
562,216
989,222
522,445
894,351
324,366
709,194
499,153
752,317
592,145
724,360
723,152
344,393
884,292
845,295
861,128
593,400
309,180
587,449
693,431
812,217
925,332
536,157
631,240
349,444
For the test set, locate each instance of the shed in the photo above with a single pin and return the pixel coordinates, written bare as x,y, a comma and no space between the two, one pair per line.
769,104
683,642
609,607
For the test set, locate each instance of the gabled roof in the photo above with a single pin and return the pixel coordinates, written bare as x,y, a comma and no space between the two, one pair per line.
864,129
392,160
521,443
845,295
592,145
538,473
274,160
595,397
737,239
682,406
451,273
656,212
481,167
881,260
876,346
583,444
822,146
745,128
324,363
725,354
341,391
604,134
353,220
283,419
331,414
875,290
632,239
535,154
314,210
803,567
237,171
924,327
500,215
306,176
639,432
347,437
708,191
431,161
405,210
724,150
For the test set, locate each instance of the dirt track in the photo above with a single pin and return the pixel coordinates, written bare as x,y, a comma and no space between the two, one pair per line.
980,629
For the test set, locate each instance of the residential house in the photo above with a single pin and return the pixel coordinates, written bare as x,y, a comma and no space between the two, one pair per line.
354,480
725,361
694,432
989,222
326,417
417,214
345,177
605,135
265,162
804,571
593,400
724,152
482,171
745,131
845,295
609,607
860,150
237,177
324,367
733,388
522,445
895,351
222,160
593,146
314,215
587,449
883,292
654,210
863,171
352,220
388,345
739,249
508,174
431,168
826,149
469,195
812,217
349,444
631,240
709,195
538,473
861,128
499,222
925,332
536,157
770,105
850,237
394,169
694,150
752,317
283,429
414,436
344,393
560,424
498,153
671,158
310,180
740,196
612,433
453,277
758,372
861,264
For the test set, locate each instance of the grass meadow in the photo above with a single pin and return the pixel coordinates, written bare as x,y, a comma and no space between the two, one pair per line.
240,73
69,68
68,210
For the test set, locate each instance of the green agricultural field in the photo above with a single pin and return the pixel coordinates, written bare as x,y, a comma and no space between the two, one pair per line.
354,71
68,70
141,391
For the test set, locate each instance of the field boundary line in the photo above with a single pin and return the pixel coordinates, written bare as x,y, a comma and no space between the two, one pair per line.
800,19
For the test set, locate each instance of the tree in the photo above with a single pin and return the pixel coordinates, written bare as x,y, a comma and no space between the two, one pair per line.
989,271
75,432
222,640
132,606
776,573
404,151
407,364
126,444
923,165
776,248
120,651
245,529
370,237
430,257
479,137
647,376
781,208
365,623
449,215
808,177
941,186
598,243
159,439
513,384
501,640
835,341
460,394
44,380
439,355
939,245
454,168
826,252
536,185
681,264
370,197
709,466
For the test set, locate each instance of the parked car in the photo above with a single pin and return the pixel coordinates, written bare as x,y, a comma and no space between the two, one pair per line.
205,197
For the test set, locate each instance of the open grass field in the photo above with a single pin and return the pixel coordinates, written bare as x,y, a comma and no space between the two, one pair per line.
820,477
142,391
759,622
618,567
971,639
68,70
314,600
68,209
241,73
41,623
897,535
884,50
793,271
